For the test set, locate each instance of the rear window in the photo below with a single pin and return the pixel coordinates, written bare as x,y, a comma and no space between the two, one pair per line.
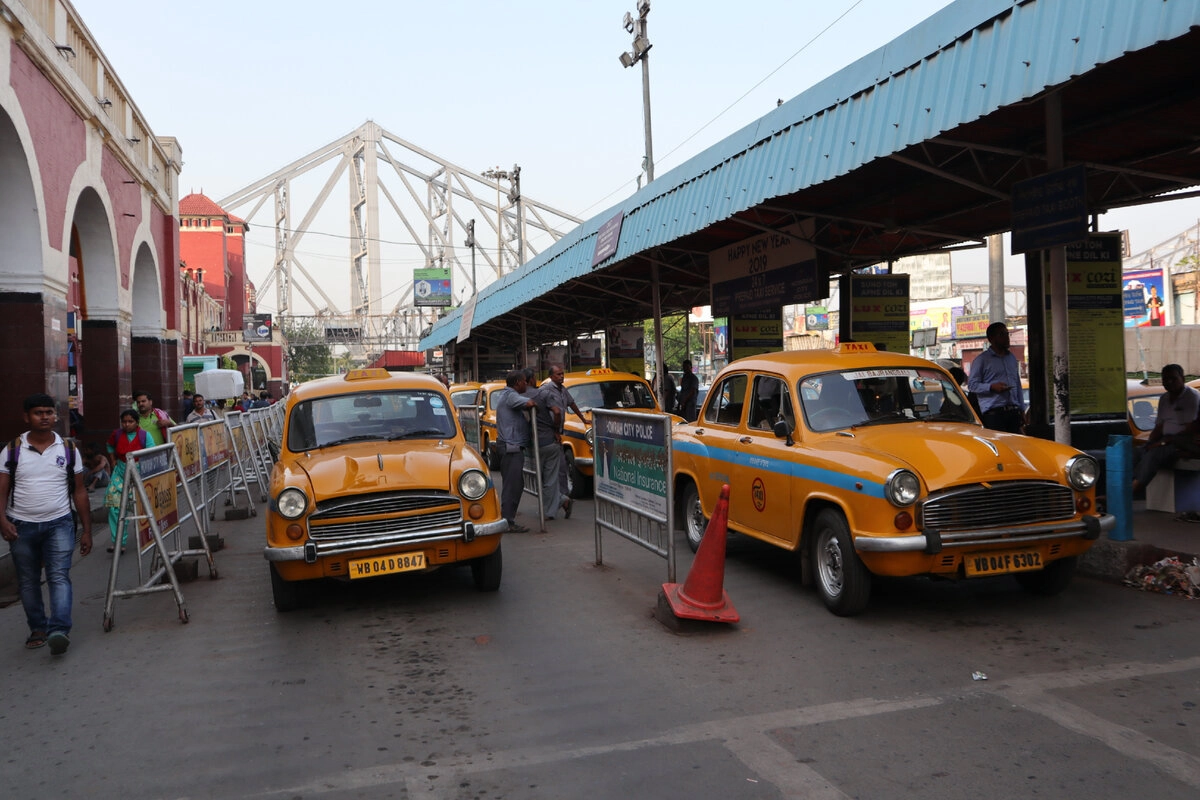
612,394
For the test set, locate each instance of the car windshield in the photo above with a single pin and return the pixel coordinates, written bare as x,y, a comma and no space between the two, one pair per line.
887,395
612,394
405,414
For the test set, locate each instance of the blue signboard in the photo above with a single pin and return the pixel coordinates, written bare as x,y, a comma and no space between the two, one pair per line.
1049,210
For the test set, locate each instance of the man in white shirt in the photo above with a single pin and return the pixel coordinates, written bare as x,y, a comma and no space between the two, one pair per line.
200,411
36,487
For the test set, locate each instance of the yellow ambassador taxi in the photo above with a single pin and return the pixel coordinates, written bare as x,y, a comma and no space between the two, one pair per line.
374,477
868,462
596,388
489,432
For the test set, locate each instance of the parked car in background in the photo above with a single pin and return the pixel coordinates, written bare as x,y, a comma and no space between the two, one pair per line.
872,463
489,434
597,388
465,394
374,477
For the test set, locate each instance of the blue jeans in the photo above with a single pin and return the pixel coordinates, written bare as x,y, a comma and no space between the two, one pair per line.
45,545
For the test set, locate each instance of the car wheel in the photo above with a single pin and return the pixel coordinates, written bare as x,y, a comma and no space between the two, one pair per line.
694,521
1050,580
578,484
288,595
487,570
842,580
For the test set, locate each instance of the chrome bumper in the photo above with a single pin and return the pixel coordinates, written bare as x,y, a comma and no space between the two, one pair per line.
312,550
932,542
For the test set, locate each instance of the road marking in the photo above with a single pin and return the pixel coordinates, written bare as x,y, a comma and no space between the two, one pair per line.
748,738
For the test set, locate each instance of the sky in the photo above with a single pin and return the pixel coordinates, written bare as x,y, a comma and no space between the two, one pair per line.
248,86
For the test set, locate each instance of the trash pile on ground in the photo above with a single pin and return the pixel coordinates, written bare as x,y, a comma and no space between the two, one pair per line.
1168,576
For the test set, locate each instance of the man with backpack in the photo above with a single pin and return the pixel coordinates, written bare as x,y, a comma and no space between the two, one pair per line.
40,473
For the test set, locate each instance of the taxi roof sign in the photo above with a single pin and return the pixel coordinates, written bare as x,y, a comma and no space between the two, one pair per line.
855,347
373,373
600,371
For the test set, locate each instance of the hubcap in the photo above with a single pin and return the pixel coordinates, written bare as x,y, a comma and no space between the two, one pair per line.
695,520
829,563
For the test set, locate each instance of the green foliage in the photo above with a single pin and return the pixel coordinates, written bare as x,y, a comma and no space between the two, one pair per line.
227,362
308,355
676,339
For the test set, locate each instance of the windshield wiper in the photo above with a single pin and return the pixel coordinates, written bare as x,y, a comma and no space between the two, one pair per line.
418,432
361,437
888,418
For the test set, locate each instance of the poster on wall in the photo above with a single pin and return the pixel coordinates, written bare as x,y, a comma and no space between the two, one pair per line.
1143,298
431,287
1095,326
879,311
755,333
585,353
625,348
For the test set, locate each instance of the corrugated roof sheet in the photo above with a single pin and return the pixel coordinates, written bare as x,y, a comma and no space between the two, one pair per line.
968,60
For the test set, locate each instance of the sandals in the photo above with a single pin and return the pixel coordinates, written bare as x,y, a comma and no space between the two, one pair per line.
515,528
36,639
566,507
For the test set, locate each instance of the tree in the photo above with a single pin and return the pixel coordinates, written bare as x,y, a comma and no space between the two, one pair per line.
307,352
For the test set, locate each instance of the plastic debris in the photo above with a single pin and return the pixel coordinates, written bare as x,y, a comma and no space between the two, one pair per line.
1167,576
978,676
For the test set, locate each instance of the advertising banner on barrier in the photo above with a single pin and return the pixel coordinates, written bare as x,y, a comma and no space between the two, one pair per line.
631,460
165,501
187,443
216,445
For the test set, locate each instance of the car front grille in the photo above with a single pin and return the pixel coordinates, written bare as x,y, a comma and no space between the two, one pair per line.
997,505
397,516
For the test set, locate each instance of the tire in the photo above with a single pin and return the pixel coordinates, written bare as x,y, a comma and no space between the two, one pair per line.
1051,579
487,571
694,521
579,486
288,595
842,579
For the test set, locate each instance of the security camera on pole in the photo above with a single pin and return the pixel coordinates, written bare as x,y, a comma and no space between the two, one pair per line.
640,52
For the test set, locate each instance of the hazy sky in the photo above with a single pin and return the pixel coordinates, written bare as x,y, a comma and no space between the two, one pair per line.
249,86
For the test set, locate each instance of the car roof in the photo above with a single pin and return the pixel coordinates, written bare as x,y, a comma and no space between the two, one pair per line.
849,355
364,380
600,374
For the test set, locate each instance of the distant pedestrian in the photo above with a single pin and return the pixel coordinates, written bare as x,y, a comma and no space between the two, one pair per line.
185,404
996,381
200,411
689,392
668,390
444,379
154,421
564,400
125,439
40,475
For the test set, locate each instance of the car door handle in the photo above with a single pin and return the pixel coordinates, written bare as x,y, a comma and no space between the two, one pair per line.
745,440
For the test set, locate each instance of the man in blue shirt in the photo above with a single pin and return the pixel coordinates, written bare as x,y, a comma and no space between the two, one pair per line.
996,381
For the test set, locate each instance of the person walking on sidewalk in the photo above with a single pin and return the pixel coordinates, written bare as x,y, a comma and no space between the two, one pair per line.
125,439
154,421
40,474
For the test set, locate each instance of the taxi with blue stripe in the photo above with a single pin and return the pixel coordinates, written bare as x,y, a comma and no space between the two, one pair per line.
866,463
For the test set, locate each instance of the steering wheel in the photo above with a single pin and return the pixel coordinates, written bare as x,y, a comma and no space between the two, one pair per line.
830,418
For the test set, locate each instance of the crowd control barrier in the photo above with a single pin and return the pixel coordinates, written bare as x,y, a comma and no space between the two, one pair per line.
150,502
532,478
247,469
632,485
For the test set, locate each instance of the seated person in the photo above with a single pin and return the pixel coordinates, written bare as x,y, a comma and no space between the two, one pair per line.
95,468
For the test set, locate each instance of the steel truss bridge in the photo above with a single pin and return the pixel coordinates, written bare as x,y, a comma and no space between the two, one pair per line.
477,225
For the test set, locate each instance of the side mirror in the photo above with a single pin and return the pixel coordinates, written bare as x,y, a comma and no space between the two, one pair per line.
783,431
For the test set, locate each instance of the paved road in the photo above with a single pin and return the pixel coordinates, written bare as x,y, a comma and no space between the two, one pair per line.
563,685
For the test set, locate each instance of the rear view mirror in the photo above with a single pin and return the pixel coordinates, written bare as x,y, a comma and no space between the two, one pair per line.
368,401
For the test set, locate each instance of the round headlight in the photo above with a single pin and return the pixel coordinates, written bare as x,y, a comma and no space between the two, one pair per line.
902,488
292,503
1082,472
590,437
472,484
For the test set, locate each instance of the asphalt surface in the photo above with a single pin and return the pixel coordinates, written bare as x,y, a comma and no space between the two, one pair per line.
563,684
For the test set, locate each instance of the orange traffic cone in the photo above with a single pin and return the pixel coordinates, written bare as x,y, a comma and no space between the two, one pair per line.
702,595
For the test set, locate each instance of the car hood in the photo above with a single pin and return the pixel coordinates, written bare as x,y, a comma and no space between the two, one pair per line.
380,466
947,454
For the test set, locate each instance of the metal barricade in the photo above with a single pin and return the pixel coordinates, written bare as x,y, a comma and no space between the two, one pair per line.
247,470
532,478
633,492
149,500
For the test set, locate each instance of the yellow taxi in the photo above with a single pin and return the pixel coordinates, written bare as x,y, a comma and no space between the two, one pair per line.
464,394
873,463
597,388
374,477
489,434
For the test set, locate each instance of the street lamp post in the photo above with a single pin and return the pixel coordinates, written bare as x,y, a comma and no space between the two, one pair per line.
640,52
471,244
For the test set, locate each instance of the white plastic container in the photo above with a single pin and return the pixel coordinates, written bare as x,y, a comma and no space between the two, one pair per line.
220,384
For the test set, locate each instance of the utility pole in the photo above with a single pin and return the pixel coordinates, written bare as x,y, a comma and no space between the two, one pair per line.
471,244
641,52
